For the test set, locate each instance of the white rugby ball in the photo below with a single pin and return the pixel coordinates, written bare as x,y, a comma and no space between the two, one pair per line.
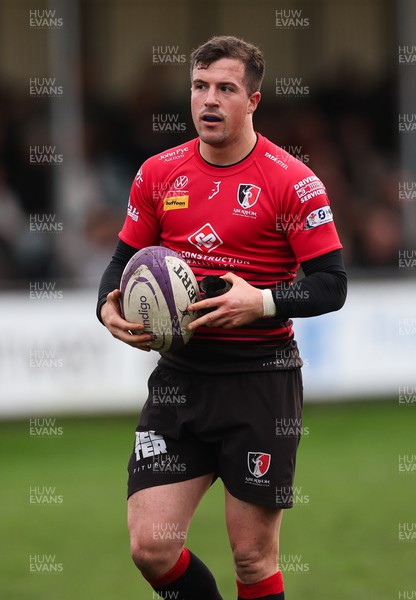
156,287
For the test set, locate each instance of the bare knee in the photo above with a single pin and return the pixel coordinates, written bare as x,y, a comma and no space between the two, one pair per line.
253,565
152,557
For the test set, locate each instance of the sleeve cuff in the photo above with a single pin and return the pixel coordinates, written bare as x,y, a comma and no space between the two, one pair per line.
269,306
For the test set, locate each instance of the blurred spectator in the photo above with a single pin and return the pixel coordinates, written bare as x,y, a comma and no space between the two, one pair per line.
340,132
12,224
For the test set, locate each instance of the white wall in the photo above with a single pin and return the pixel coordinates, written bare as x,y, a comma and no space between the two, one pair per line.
368,348
56,358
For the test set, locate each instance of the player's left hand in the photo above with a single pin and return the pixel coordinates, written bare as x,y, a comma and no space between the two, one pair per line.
243,304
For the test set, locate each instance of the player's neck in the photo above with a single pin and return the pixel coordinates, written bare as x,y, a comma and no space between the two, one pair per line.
230,153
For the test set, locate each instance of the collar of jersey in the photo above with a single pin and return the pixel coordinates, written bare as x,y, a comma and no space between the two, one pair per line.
235,167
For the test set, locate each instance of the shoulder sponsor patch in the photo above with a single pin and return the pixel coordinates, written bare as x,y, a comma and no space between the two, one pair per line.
309,188
132,212
320,216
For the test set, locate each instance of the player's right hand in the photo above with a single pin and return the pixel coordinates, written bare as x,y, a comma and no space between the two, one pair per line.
129,333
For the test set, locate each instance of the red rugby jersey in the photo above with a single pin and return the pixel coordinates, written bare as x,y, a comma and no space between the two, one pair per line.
258,219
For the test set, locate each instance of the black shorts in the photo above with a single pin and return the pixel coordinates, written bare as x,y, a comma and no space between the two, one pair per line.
243,427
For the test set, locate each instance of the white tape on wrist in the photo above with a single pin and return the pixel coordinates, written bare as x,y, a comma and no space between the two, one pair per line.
269,307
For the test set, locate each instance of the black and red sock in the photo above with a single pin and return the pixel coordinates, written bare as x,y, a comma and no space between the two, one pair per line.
187,580
271,588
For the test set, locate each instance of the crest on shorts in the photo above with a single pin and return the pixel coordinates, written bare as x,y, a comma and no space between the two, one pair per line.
258,463
248,194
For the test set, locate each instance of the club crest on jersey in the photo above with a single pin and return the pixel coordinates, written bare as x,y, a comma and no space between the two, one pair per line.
258,463
247,195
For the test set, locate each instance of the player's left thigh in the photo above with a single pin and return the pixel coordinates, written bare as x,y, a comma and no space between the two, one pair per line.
253,531
158,521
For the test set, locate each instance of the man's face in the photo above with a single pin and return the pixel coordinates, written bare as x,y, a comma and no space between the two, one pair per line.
220,105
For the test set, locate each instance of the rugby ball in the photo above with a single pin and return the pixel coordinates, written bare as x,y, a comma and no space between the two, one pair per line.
156,287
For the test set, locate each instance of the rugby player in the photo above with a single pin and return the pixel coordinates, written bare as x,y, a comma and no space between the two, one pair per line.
233,204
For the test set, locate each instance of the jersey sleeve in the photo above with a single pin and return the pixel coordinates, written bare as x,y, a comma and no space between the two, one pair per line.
141,227
310,230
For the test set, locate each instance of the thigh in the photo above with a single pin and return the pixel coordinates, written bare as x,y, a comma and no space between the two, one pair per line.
158,520
254,536
163,513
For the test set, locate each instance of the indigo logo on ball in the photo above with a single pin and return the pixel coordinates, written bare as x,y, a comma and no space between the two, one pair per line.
156,288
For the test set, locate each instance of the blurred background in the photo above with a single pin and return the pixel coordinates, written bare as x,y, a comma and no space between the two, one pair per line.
99,89
88,90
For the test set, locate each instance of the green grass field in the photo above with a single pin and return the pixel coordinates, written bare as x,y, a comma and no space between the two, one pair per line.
340,542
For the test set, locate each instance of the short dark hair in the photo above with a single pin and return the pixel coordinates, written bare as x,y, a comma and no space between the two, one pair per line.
227,46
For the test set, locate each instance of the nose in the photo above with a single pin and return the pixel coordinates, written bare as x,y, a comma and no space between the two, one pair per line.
211,97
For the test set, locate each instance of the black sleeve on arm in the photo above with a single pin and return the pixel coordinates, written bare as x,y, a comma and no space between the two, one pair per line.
322,290
110,280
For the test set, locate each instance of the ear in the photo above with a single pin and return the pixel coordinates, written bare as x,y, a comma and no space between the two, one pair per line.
253,102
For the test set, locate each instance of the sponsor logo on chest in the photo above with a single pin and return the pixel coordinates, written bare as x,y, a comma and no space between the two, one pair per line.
175,202
215,189
177,197
206,239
